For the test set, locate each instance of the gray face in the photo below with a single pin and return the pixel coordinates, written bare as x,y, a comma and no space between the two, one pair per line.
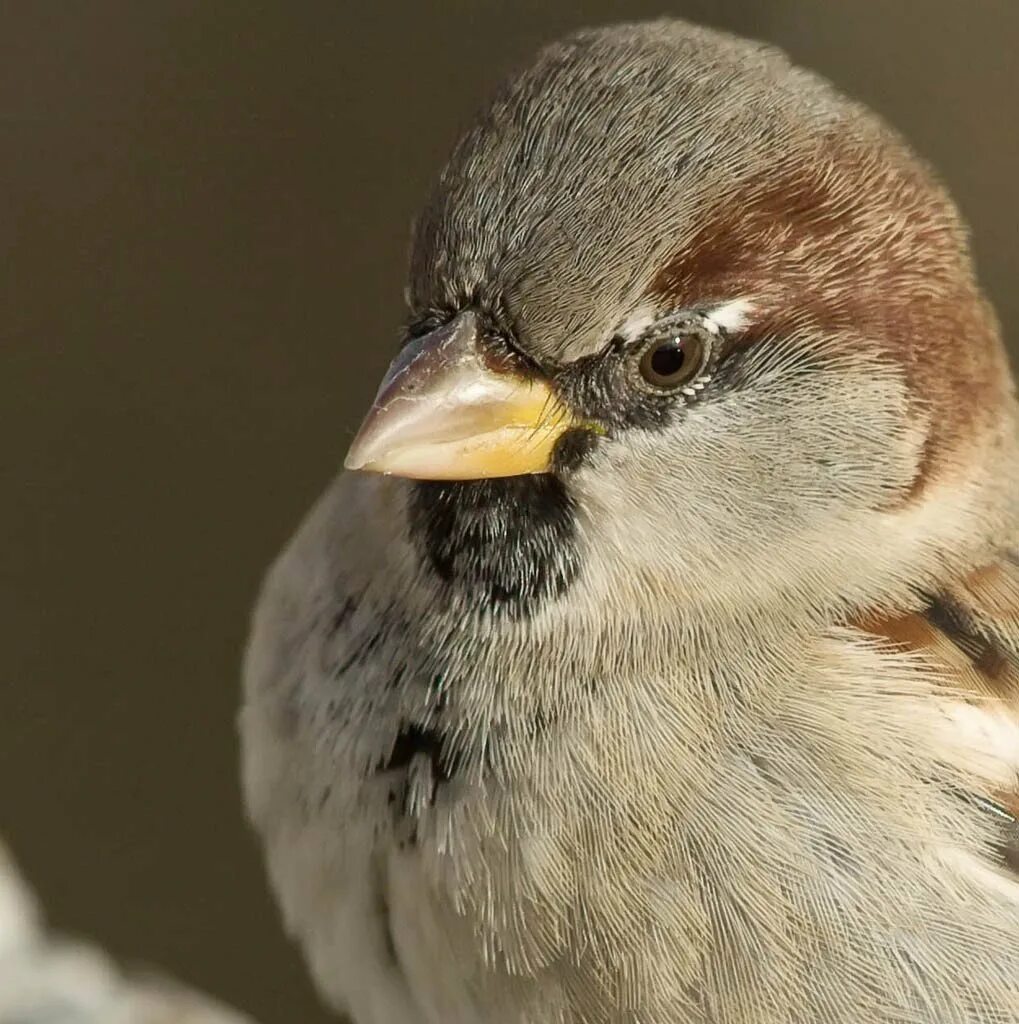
664,175
588,172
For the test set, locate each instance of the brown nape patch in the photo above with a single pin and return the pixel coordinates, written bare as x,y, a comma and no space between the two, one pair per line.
856,239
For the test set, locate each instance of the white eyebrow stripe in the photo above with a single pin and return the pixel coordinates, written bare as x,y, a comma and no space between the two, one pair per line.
637,323
731,316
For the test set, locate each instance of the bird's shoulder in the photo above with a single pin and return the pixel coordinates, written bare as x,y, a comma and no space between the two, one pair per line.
967,630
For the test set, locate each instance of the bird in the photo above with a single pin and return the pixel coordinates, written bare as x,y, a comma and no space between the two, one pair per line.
655,657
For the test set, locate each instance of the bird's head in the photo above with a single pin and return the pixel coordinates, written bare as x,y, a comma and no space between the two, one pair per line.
685,322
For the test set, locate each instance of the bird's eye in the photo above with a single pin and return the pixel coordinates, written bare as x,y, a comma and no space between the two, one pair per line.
672,362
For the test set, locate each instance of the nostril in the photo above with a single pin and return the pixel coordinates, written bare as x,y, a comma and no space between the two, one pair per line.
498,355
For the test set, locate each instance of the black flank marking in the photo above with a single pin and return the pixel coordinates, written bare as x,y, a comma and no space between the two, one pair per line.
413,740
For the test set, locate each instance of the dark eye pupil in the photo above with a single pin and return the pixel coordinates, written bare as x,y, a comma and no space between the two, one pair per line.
667,360
673,361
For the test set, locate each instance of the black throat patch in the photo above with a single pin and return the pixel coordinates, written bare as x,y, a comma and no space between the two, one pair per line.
505,545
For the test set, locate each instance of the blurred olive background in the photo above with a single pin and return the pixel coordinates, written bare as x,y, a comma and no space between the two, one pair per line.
203,217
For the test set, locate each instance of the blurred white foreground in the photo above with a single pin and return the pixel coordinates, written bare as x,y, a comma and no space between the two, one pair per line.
47,979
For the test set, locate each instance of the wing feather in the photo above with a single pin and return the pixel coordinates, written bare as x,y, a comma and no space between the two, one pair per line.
970,630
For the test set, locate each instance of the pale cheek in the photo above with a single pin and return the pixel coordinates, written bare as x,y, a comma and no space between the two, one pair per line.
777,466
768,487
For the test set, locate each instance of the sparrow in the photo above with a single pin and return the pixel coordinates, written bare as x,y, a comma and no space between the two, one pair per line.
656,658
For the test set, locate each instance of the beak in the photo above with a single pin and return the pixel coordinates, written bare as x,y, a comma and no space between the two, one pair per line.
442,414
